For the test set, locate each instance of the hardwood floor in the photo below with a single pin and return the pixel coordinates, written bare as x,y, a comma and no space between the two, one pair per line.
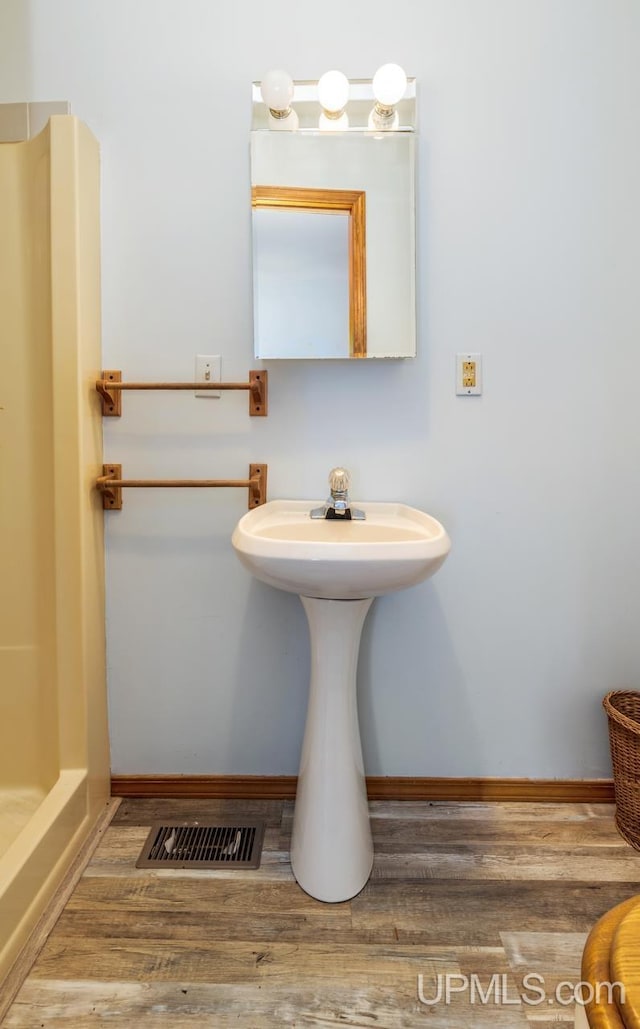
470,897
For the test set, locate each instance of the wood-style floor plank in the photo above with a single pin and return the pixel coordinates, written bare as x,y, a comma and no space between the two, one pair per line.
422,836
484,861
175,890
147,810
485,894
483,811
442,911
270,1006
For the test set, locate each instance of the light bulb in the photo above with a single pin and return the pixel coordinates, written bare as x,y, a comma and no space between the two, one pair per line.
276,89
277,92
389,84
333,92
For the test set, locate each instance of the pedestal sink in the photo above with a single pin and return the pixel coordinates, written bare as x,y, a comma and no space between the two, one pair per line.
337,567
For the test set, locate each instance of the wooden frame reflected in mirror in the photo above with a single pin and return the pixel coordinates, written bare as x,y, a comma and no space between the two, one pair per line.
351,202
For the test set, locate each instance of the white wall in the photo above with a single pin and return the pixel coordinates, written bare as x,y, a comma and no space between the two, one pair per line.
528,252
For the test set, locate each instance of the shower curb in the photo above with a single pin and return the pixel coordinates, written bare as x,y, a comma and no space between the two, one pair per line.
28,956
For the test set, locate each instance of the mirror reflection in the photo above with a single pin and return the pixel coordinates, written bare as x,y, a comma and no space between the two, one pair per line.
309,272
333,281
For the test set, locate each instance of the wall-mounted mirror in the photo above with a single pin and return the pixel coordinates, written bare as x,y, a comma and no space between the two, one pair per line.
333,225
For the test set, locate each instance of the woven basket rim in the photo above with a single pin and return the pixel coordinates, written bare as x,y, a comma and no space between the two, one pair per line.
618,716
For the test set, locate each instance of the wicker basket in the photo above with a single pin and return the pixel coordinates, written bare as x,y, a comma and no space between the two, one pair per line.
623,712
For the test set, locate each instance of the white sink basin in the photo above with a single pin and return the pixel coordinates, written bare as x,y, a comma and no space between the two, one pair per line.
394,547
337,567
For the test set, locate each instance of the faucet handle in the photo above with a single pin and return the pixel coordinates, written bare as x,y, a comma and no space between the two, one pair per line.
339,480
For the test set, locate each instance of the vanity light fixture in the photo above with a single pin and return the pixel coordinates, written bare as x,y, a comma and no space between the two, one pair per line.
276,89
333,94
335,104
389,85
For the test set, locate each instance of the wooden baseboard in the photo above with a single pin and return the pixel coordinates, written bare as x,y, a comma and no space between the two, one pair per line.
283,787
225,787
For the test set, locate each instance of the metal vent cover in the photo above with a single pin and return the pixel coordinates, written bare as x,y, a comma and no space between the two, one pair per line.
203,845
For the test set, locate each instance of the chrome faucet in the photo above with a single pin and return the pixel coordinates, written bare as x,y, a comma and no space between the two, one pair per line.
338,505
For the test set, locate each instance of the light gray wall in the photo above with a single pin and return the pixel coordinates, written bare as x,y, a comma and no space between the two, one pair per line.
528,252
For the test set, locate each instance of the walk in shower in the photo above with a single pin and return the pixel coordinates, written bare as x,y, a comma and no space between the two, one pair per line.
54,763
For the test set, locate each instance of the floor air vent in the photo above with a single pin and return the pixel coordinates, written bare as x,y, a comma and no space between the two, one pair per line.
202,845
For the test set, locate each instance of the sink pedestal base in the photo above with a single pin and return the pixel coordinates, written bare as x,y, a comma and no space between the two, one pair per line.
331,845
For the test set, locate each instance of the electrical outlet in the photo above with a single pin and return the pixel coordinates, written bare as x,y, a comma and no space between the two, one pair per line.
208,369
468,375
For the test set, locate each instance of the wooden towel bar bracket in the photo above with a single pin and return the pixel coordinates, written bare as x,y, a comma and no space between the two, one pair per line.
110,388
111,484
